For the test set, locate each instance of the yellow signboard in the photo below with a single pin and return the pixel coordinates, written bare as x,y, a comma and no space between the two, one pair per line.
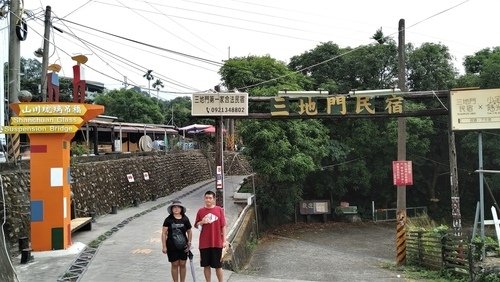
475,109
45,120
51,109
38,129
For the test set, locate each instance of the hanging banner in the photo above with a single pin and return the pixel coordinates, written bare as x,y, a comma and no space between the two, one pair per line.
402,173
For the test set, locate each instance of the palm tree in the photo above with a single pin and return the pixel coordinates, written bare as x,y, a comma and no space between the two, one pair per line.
157,85
379,37
149,77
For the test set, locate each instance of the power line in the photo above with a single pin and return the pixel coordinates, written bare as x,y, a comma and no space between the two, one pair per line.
88,46
233,26
348,52
161,27
148,45
137,66
126,62
183,27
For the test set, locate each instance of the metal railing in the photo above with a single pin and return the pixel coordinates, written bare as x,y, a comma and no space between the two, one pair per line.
390,214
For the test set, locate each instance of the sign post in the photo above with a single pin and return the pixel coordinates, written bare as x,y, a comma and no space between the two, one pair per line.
476,109
50,127
219,105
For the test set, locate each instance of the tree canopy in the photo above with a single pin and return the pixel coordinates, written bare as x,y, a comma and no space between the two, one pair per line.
354,161
130,106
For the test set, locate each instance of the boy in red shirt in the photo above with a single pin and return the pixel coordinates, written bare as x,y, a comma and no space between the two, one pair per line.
212,221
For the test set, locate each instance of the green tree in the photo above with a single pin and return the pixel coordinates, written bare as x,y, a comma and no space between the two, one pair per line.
282,152
481,69
31,71
430,67
340,70
157,85
130,106
262,72
490,73
474,64
359,156
148,75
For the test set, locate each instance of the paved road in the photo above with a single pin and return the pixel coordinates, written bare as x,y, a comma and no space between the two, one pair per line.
133,251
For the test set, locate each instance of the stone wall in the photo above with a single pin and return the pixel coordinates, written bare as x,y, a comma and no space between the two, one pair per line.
100,182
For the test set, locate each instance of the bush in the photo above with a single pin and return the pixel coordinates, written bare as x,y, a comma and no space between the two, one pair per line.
78,149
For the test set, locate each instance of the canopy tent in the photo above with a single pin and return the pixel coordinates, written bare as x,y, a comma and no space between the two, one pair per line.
210,129
194,128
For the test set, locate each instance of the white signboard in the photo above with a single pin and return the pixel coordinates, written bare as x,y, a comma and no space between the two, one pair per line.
130,177
475,109
219,104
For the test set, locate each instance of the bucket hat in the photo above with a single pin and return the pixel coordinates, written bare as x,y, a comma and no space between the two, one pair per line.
178,204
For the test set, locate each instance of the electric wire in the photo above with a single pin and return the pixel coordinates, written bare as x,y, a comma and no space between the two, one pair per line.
96,54
107,75
232,26
138,67
272,16
183,27
353,50
171,81
235,18
348,52
149,45
167,57
162,28
78,8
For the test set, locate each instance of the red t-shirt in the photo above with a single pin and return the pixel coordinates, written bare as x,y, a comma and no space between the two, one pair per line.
211,233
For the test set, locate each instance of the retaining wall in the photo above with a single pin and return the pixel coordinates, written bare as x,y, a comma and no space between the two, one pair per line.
100,182
243,242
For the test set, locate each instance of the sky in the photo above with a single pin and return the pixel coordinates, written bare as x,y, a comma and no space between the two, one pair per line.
184,42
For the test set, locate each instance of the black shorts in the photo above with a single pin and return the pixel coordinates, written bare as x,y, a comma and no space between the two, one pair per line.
211,257
175,255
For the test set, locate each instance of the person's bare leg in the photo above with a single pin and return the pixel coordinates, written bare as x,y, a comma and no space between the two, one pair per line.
207,272
220,274
174,269
182,270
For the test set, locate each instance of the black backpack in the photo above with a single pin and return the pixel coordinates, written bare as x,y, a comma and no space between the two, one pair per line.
179,239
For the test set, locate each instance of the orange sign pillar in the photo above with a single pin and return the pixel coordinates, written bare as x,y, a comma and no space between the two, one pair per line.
50,141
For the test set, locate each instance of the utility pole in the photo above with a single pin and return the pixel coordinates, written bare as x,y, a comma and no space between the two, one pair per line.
401,190
455,196
45,58
219,162
6,269
14,140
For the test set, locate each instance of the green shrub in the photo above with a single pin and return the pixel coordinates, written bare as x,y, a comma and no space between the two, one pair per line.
78,149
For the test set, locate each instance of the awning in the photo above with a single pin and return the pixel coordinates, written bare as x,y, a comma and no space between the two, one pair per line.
194,127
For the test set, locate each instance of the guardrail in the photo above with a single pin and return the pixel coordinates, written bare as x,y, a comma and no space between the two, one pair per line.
390,214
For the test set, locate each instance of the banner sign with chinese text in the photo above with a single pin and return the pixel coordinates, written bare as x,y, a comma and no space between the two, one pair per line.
219,104
336,105
402,173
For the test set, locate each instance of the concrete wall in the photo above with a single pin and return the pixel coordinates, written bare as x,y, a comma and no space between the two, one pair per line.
100,182
243,241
